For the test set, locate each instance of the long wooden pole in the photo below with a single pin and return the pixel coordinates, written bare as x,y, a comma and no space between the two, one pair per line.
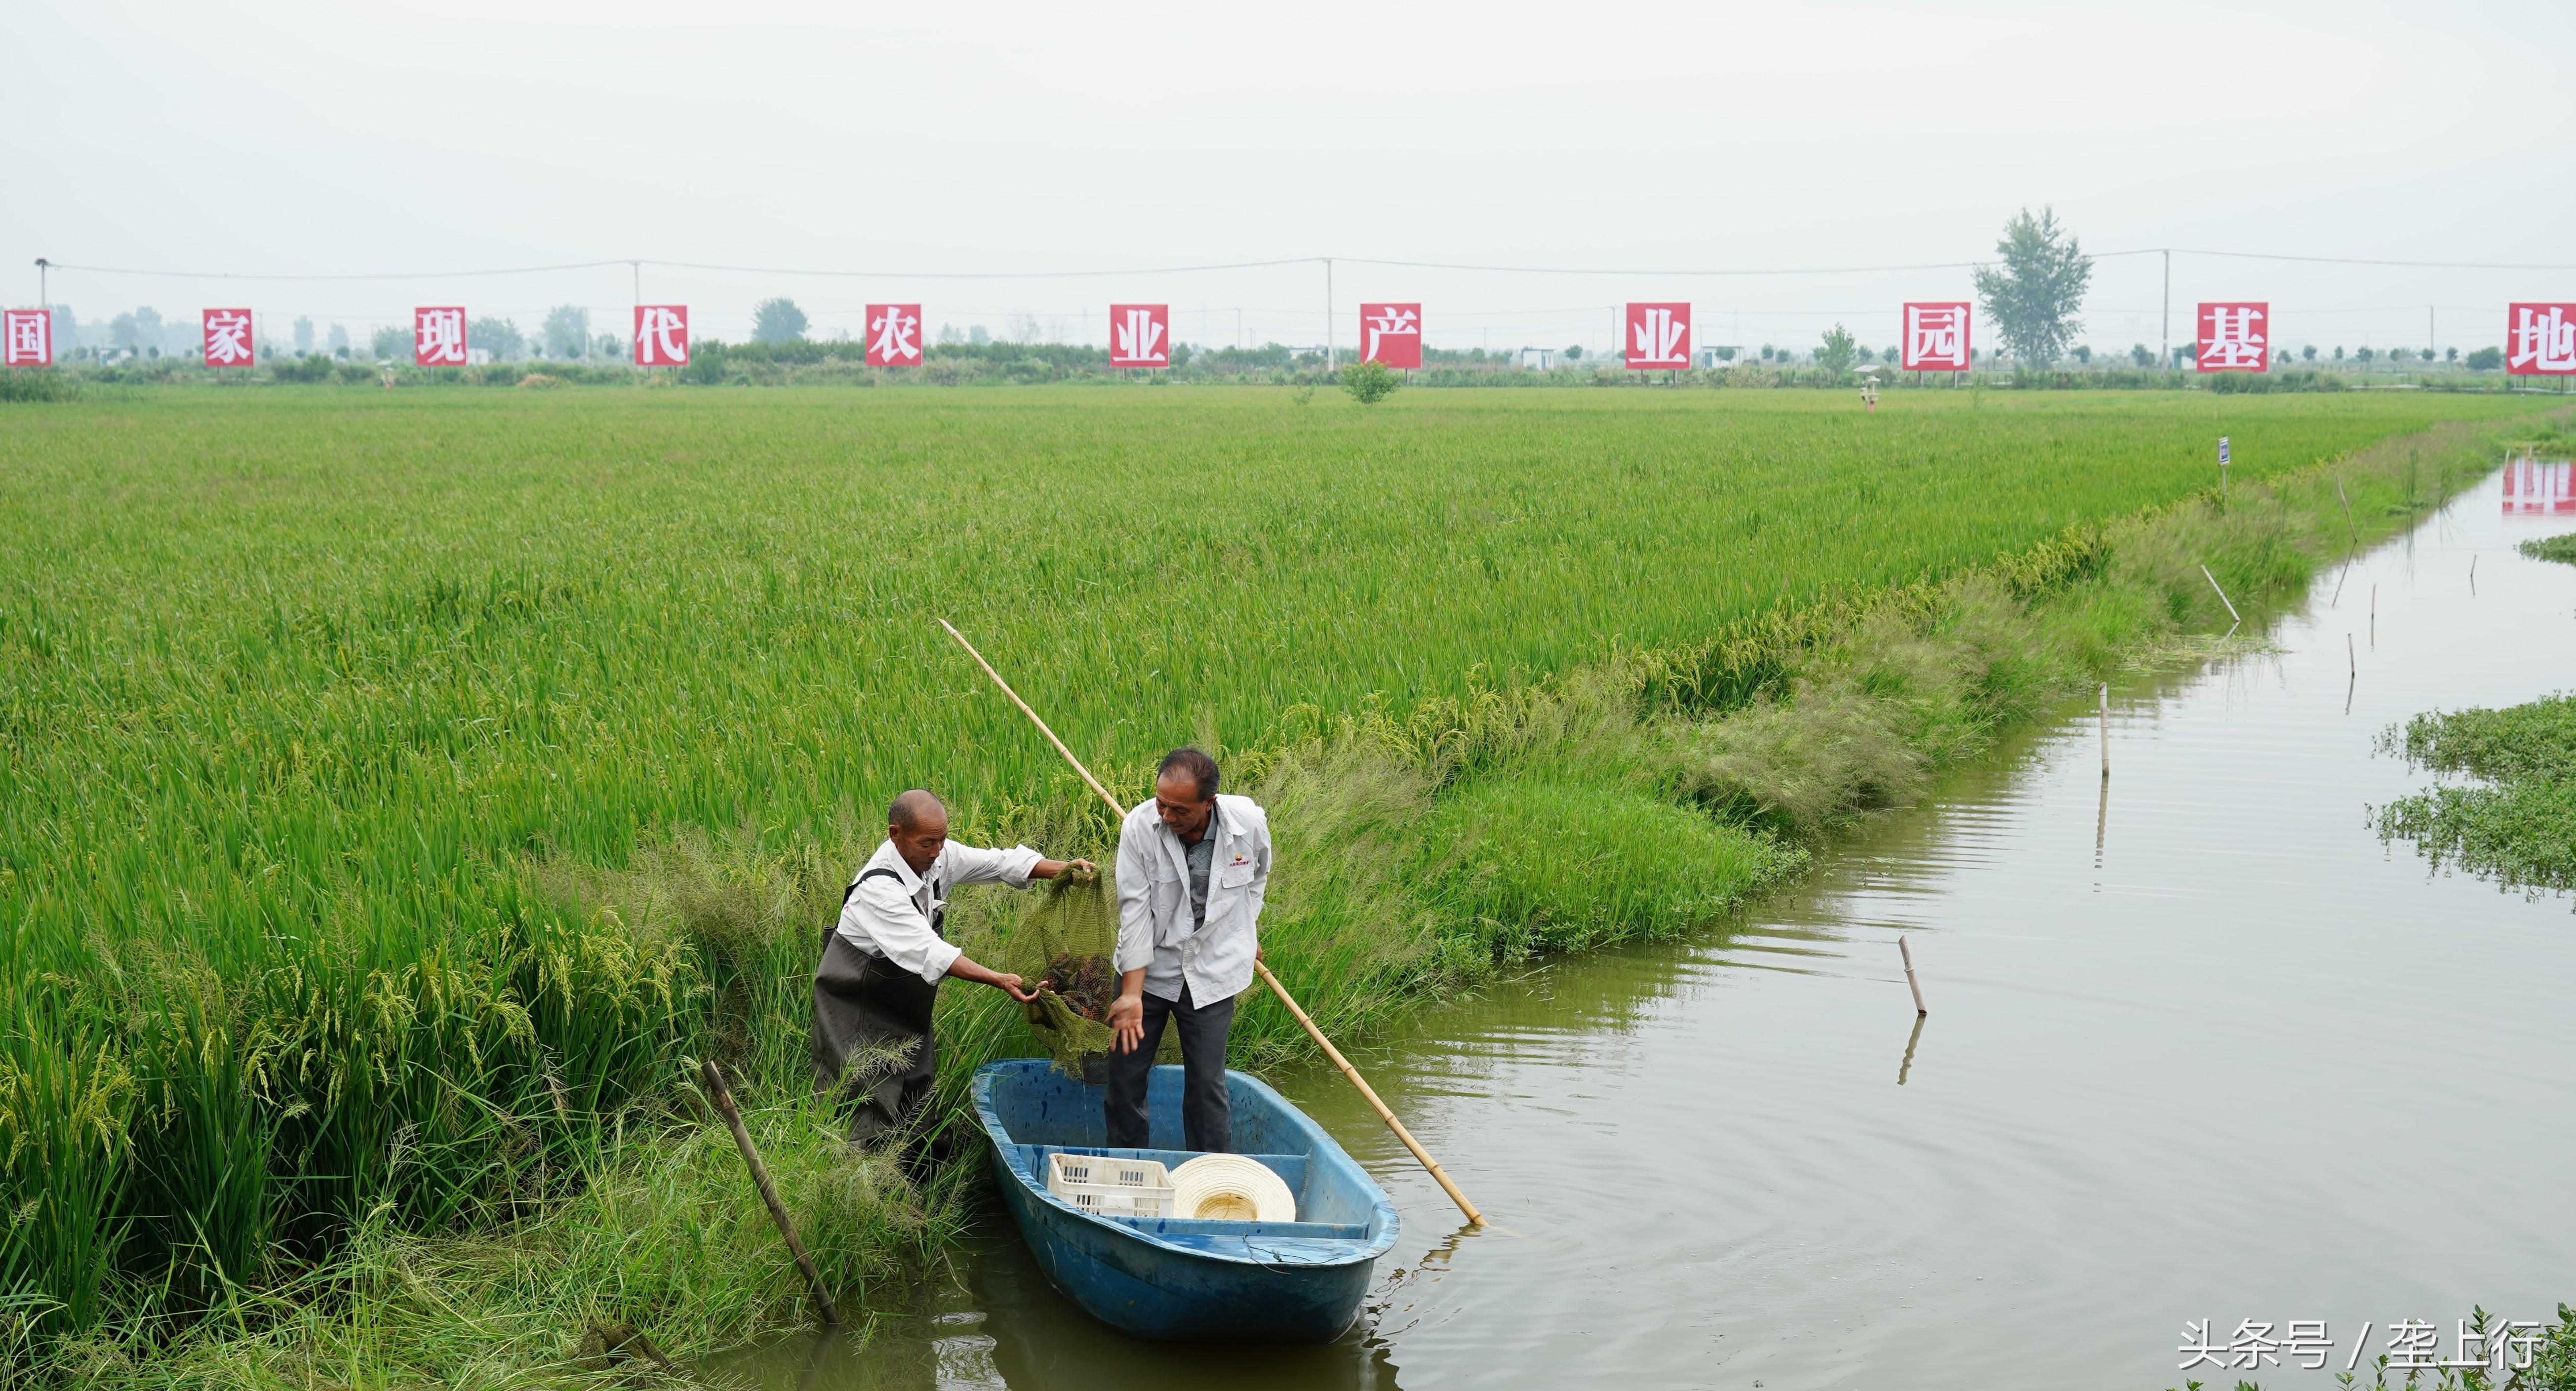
722,1095
1420,1154
1370,1093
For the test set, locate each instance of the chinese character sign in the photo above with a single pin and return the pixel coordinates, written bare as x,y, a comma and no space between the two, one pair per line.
894,335
661,335
438,337
1658,336
1140,335
29,338
2235,338
228,338
2540,339
1392,334
1936,338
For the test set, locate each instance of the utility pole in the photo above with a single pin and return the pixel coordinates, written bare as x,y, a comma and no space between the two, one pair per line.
2168,328
43,301
1329,342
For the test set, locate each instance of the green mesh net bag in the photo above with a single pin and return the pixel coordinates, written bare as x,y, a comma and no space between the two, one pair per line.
1067,949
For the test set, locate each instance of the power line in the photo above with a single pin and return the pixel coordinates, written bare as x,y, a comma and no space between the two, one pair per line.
367,275
988,275
2364,261
1195,269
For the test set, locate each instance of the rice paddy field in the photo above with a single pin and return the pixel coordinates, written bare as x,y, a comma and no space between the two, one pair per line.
326,715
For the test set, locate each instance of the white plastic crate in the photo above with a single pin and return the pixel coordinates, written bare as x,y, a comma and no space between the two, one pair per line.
1111,1187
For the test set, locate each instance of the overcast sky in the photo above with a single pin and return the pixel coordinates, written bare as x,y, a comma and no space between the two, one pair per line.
341,139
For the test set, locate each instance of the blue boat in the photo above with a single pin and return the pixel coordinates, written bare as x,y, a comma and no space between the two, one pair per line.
1180,1279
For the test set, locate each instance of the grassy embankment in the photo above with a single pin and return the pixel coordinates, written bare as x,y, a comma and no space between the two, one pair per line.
398,791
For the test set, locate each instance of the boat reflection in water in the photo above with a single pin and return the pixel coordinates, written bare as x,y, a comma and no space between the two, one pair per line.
998,1324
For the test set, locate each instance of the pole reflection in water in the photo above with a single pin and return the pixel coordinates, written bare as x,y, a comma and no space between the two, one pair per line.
1910,1040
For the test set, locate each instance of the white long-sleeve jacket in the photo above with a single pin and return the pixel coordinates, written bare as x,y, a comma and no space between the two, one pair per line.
894,917
1154,926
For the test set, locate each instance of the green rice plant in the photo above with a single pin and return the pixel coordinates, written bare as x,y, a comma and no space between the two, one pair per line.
394,787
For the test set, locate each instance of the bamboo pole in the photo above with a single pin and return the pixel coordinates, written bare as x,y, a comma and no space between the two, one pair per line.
2222,598
1367,1092
2349,528
2106,729
722,1095
1910,983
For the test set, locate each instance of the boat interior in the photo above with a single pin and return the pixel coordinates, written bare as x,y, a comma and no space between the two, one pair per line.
1040,1111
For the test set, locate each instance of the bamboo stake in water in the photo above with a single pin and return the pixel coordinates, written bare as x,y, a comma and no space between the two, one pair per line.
1421,1155
2350,658
2473,577
722,1095
2106,729
2374,617
1911,983
2222,598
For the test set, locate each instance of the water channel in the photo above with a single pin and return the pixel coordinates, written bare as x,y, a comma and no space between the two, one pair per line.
2200,1047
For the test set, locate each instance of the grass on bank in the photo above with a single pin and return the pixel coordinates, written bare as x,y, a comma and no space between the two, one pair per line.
481,1085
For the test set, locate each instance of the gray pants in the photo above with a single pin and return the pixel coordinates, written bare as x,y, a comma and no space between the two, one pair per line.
872,1045
1207,1115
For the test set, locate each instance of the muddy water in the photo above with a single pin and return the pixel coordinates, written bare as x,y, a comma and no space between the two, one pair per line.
2200,1047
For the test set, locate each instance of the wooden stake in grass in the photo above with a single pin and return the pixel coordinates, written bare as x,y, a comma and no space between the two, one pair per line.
1421,1155
1910,982
722,1096
2349,528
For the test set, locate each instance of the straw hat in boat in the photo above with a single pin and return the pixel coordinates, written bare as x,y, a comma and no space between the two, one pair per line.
1231,1188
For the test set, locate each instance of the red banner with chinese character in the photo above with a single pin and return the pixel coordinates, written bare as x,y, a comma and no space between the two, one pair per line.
1392,334
26,338
2235,337
1140,335
438,336
894,335
228,340
1936,338
661,335
1658,336
2540,339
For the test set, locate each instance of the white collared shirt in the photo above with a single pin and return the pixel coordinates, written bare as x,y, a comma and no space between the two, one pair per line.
1155,930
893,917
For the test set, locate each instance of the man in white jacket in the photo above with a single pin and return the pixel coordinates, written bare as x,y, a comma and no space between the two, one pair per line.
1192,869
883,961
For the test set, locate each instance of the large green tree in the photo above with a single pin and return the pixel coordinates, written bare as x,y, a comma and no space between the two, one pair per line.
1838,352
2033,297
777,321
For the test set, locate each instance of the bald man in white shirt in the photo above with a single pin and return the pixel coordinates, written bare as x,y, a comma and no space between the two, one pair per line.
883,961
